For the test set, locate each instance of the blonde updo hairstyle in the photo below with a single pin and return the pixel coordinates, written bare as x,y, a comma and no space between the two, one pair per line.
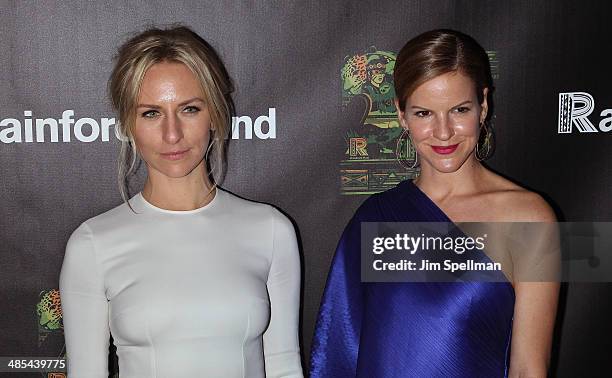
181,45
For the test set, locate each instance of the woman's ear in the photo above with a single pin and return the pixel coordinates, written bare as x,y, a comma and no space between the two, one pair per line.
484,105
400,114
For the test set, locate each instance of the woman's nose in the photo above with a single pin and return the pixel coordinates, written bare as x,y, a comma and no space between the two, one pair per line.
443,130
172,130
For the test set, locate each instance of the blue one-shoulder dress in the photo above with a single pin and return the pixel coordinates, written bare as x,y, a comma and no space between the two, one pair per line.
425,329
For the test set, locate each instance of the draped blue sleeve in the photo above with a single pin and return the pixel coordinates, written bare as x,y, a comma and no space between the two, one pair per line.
414,329
336,343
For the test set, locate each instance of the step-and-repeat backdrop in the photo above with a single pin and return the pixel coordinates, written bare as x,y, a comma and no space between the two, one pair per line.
315,130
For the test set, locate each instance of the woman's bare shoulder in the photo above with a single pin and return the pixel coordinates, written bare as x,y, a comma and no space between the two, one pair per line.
518,204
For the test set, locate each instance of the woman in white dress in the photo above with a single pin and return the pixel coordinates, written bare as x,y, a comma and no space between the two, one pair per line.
190,280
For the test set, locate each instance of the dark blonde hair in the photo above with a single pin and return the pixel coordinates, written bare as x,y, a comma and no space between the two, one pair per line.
181,45
435,53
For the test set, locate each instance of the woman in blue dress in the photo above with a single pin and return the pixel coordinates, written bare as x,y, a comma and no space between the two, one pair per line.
438,329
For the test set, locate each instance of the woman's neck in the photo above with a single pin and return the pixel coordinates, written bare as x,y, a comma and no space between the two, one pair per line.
439,185
185,193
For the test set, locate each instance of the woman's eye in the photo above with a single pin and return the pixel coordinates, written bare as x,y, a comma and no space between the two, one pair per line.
191,109
462,109
150,114
422,113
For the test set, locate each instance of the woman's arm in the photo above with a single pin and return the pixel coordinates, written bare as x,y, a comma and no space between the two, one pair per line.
84,308
535,307
534,317
281,342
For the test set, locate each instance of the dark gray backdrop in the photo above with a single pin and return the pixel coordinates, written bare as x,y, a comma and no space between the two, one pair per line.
287,55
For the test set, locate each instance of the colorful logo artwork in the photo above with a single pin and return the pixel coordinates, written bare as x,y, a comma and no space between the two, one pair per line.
49,313
50,325
370,162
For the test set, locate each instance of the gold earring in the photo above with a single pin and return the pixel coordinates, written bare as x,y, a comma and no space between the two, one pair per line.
405,152
483,150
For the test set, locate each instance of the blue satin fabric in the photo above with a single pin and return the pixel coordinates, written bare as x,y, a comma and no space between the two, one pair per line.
385,330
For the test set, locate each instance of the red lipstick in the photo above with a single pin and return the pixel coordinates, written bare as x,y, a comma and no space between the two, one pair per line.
445,150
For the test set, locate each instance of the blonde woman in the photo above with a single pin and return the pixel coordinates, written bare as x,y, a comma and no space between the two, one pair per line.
190,280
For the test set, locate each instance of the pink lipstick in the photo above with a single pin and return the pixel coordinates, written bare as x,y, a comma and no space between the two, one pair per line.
445,150
174,155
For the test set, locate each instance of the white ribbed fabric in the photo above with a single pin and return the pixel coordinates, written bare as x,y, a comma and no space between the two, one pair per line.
210,292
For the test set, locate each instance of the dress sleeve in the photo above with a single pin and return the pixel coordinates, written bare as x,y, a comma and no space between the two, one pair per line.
84,308
281,342
335,346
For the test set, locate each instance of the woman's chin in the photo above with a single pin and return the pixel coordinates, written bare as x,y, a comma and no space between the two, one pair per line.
175,172
445,166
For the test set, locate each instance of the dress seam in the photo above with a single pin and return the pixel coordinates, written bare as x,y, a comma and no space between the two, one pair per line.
246,335
273,244
95,256
153,352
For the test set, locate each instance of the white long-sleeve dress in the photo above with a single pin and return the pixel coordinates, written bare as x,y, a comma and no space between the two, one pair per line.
210,292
